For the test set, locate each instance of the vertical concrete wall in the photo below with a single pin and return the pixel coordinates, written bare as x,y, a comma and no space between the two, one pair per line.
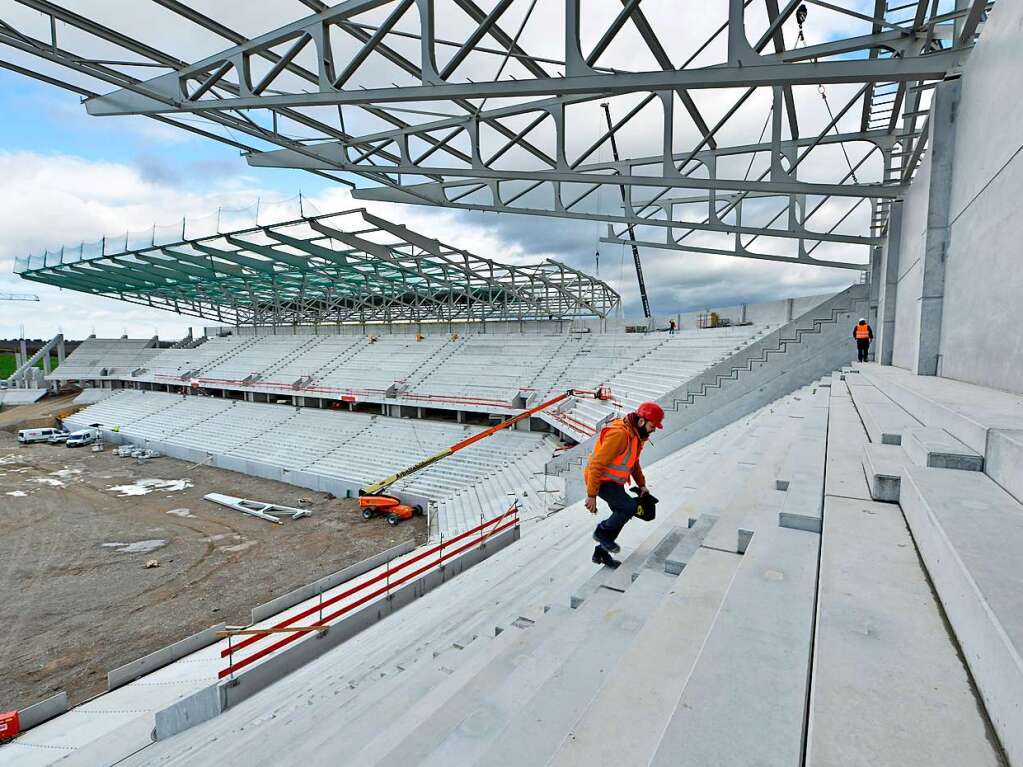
909,277
971,330
981,339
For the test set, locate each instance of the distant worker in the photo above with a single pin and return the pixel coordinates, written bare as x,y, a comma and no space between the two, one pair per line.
671,327
863,334
615,459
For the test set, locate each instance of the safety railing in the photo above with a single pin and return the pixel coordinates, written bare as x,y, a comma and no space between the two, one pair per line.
574,423
444,399
391,577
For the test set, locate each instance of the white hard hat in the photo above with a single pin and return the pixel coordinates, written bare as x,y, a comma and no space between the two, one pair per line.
862,319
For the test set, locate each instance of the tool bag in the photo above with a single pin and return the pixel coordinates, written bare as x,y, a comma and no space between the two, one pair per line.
646,509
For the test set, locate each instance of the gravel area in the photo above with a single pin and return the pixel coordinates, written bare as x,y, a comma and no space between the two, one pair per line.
77,529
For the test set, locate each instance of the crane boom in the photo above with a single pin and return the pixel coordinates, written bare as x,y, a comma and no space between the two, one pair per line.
632,234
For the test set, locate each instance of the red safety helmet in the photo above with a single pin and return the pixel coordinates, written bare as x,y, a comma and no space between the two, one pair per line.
652,412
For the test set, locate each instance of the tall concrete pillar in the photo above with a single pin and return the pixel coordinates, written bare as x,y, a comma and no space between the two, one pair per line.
888,286
932,293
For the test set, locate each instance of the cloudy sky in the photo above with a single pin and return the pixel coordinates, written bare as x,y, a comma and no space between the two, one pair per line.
66,177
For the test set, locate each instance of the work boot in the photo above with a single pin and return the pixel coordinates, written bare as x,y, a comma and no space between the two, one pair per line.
601,557
605,544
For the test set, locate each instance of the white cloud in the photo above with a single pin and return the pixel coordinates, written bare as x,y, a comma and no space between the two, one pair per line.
53,200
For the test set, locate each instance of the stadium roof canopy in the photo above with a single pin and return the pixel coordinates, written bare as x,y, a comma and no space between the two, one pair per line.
340,267
748,128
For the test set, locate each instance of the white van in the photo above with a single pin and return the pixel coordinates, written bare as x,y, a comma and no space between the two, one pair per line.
82,437
28,436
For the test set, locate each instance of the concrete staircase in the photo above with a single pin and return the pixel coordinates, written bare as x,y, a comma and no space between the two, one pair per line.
726,637
794,355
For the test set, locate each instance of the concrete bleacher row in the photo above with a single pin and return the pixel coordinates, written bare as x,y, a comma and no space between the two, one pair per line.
951,455
479,370
774,613
712,666
337,451
690,654
752,658
107,358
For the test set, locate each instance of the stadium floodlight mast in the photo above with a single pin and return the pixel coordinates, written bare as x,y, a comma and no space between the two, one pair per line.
479,122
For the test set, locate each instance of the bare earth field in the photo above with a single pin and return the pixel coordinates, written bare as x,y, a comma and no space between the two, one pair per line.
75,597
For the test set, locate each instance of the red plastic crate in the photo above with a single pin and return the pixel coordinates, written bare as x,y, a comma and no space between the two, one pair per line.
10,724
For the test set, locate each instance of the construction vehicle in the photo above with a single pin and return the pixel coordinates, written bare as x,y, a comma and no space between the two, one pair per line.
373,499
396,511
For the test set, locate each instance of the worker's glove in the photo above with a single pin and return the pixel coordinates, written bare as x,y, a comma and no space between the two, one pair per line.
641,490
591,504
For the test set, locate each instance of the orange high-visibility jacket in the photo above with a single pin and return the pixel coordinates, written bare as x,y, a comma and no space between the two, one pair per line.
615,457
862,331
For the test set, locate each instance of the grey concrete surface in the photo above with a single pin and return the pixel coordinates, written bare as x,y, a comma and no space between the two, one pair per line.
683,551
37,713
966,411
883,468
199,707
749,687
936,448
129,672
888,684
646,680
846,437
966,207
970,535
1004,462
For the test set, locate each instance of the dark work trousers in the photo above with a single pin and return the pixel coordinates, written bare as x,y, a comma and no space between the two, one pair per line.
623,507
862,346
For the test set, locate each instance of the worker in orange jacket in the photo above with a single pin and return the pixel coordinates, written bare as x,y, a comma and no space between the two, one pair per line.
614,461
863,334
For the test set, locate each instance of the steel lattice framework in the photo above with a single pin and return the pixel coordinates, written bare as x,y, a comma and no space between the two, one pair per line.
484,106
340,267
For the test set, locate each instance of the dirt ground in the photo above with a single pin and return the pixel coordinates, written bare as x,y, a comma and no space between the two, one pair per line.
75,597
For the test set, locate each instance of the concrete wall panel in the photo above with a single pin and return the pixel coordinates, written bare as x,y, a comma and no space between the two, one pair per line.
980,339
910,272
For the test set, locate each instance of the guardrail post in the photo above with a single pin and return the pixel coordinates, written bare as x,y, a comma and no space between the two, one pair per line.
230,657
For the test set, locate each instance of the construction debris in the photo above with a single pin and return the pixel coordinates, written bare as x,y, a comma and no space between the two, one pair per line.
257,508
151,563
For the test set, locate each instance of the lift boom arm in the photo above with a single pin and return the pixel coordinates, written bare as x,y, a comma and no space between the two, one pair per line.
383,484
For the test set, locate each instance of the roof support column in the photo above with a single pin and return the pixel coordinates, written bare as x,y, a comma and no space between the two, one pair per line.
932,292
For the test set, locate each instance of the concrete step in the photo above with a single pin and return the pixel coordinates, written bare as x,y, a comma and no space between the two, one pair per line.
846,438
970,535
647,680
888,684
964,410
690,543
745,701
883,466
1004,460
461,726
938,449
886,422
